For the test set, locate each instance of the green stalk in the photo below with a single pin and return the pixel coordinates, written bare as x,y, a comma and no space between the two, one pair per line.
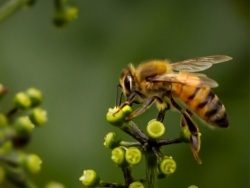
151,168
10,7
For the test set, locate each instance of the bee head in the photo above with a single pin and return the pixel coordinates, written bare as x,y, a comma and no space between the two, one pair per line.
127,81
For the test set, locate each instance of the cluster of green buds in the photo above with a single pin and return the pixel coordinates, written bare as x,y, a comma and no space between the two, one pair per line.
126,155
65,10
16,126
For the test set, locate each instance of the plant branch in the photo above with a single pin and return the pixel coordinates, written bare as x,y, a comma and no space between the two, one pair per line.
113,185
132,129
163,142
18,177
10,7
129,144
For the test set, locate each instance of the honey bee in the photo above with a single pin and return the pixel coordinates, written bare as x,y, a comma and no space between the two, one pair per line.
162,82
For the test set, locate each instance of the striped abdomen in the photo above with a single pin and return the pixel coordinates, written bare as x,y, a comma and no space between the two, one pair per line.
203,102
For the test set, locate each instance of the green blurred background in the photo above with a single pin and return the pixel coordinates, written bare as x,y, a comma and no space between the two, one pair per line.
77,69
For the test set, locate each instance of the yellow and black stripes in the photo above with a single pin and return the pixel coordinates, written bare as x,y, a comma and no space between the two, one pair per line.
203,102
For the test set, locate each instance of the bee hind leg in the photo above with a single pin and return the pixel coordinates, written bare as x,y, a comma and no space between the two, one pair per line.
187,116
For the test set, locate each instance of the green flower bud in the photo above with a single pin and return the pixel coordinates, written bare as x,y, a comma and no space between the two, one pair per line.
38,116
133,155
192,186
2,175
32,163
117,118
6,147
111,140
65,13
21,101
3,121
118,156
3,91
29,3
35,96
90,178
185,132
23,126
54,184
136,184
155,129
167,165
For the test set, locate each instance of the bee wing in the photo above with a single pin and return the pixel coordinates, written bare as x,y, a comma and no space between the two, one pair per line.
191,79
199,64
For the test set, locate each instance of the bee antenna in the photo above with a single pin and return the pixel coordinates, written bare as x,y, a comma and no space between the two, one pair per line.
118,99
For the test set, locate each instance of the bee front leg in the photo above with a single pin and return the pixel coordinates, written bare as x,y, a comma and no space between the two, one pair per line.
142,109
129,101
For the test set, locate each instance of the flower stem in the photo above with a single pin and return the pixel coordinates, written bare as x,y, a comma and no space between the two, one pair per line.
127,175
129,144
151,168
134,131
18,177
10,7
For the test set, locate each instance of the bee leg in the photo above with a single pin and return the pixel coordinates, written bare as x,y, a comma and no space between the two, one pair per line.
118,99
194,137
187,116
161,114
129,100
142,109
189,112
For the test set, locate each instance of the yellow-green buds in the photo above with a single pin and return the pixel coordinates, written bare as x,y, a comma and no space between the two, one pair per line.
21,101
32,163
65,12
118,156
90,178
6,147
54,184
35,96
155,129
167,165
136,184
3,120
192,186
126,156
133,156
29,3
38,116
116,116
3,91
111,140
185,132
23,125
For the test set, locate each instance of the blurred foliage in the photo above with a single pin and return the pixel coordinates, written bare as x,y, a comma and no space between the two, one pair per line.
77,68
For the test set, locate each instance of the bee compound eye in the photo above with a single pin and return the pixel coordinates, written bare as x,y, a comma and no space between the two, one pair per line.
128,82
